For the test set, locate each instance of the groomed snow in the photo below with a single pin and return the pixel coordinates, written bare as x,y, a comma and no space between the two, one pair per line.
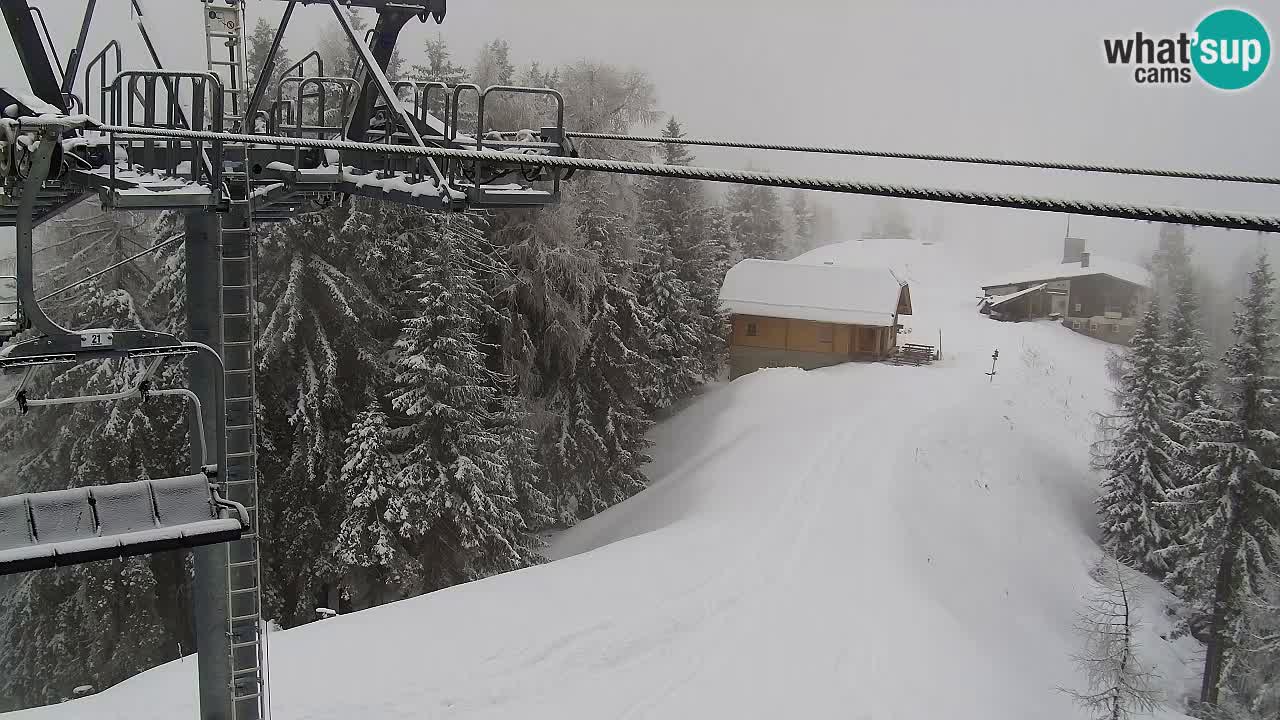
861,541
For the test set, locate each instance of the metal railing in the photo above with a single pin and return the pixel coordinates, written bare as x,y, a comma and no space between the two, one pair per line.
154,99
422,107
551,139
99,61
312,114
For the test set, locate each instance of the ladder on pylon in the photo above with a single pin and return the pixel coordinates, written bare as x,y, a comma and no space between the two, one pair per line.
225,42
224,37
239,314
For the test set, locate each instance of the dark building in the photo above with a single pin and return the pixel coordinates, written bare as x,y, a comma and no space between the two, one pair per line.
1094,295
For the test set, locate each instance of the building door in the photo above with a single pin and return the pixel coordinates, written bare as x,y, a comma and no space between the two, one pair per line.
826,337
867,340
1058,305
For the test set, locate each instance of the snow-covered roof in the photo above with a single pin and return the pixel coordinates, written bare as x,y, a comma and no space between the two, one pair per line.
1098,265
995,300
821,293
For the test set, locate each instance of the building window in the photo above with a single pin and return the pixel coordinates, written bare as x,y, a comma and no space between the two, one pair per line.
1077,307
826,334
751,330
1115,328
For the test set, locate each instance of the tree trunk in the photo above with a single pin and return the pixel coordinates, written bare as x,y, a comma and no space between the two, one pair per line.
1216,649
331,596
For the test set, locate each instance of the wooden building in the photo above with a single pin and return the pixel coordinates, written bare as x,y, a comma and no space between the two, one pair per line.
1090,294
789,314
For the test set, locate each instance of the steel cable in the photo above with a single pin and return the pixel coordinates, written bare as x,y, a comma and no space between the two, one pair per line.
1147,213
969,159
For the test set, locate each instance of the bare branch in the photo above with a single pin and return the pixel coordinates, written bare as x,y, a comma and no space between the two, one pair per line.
1118,686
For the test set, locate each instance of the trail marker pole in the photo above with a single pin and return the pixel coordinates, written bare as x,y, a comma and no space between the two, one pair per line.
995,355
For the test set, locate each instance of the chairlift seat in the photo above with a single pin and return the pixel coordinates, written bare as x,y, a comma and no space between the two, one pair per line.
69,527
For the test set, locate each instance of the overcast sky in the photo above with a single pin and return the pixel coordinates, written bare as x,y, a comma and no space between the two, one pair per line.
1010,78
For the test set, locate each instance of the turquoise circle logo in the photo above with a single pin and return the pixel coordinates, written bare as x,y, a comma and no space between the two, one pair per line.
1232,49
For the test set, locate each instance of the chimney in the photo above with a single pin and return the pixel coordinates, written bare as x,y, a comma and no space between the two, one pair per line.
1084,259
1072,248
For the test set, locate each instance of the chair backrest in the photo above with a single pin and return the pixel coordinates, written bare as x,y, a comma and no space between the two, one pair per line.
185,499
15,522
63,515
125,507
67,527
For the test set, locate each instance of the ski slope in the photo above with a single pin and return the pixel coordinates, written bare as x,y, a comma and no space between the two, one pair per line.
857,542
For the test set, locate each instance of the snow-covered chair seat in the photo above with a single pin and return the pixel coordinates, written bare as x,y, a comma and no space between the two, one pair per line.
68,527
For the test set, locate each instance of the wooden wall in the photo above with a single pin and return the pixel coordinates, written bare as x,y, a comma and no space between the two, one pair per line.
807,336
769,332
1095,294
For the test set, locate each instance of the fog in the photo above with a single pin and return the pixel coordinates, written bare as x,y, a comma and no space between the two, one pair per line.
1007,78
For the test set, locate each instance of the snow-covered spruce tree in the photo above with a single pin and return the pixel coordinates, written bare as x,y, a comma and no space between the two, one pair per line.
599,442
440,68
1143,460
541,300
756,221
528,476
1235,547
505,111
1252,689
677,335
1189,372
541,297
1119,685
679,234
340,56
94,624
804,218
1189,382
721,253
493,64
87,239
328,298
259,42
546,307
519,299
34,669
1170,264
467,525
374,545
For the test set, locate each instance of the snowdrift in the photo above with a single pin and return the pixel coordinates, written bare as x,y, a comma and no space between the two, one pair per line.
861,541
